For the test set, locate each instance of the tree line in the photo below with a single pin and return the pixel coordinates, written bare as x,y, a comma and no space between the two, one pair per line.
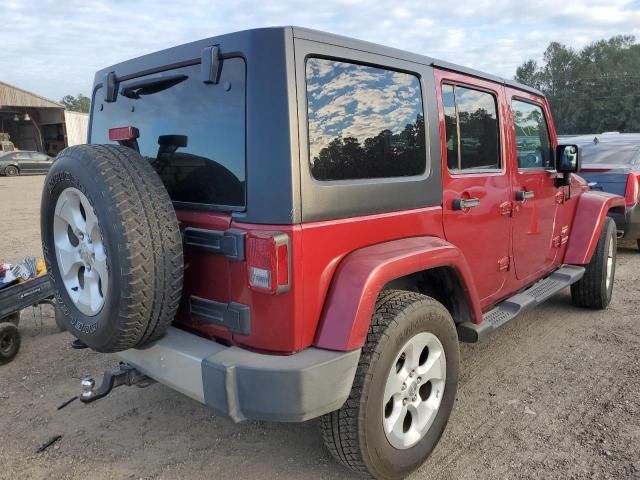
386,154
591,90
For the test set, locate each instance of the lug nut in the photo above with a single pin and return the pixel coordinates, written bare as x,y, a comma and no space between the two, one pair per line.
404,401
404,386
419,379
412,373
414,399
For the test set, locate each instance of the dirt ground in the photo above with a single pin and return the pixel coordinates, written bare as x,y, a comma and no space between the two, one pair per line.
555,394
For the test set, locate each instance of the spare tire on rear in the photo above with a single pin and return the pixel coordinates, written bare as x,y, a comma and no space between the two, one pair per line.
112,246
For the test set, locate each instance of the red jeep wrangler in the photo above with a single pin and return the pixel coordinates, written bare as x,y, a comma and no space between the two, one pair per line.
285,224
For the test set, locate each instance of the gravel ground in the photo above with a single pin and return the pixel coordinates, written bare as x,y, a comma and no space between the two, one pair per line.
554,394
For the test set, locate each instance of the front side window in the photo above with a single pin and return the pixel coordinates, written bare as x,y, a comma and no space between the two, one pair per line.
471,127
364,122
532,136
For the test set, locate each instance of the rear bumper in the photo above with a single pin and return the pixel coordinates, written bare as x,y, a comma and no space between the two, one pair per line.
629,223
241,385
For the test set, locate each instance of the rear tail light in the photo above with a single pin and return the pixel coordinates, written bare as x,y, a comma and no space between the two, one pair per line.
123,134
632,190
268,265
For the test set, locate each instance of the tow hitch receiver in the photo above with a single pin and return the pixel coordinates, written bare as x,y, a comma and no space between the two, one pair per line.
127,375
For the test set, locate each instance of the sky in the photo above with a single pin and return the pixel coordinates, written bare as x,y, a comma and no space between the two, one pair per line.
54,47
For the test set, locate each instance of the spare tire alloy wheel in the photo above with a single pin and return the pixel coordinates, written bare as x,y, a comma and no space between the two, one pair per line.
79,250
112,246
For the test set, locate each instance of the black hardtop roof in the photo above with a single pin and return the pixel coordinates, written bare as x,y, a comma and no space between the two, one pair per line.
333,39
179,54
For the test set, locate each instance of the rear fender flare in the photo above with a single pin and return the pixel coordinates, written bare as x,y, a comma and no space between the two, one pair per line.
591,211
362,274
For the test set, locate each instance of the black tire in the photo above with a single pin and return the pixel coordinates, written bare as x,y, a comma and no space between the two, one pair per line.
9,342
59,318
12,318
354,435
638,242
140,236
11,171
593,291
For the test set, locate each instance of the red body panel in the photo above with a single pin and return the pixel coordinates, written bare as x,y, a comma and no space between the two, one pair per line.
534,224
364,273
338,267
484,248
288,322
587,224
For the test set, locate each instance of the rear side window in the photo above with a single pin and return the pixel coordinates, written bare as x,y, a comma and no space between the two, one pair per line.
471,124
192,133
532,136
364,122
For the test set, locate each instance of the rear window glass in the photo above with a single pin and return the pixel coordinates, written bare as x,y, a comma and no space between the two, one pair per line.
364,122
193,133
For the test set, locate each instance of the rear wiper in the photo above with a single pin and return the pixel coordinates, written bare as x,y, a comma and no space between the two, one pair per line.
151,85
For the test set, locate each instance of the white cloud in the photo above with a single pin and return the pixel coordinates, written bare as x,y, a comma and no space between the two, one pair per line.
54,47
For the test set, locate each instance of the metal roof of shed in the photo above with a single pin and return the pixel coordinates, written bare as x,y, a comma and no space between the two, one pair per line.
12,96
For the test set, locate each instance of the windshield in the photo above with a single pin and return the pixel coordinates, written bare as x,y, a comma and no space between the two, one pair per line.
193,133
611,153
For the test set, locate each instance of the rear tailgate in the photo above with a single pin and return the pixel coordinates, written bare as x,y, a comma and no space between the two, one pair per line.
193,133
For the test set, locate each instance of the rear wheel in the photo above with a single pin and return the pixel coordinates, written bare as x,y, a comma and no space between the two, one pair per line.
112,246
403,392
11,171
9,342
595,289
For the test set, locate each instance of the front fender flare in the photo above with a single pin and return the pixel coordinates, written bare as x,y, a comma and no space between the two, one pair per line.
591,211
362,274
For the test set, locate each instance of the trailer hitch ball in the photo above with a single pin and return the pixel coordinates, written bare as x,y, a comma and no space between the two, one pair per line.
88,385
127,375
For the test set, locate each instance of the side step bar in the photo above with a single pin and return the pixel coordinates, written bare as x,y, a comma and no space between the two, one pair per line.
510,308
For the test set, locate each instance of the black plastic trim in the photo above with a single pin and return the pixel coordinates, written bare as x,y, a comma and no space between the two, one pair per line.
230,243
234,316
210,64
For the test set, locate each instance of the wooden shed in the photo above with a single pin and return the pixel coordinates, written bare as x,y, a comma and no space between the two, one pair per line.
33,122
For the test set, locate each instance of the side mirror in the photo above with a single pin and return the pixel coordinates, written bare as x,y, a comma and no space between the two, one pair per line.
568,158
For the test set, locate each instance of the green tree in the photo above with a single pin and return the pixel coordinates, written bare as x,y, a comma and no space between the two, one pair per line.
591,90
79,103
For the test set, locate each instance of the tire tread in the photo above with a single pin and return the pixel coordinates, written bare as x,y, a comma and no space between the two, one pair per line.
340,429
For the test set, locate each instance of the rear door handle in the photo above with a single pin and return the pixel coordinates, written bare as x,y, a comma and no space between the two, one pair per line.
464,203
523,195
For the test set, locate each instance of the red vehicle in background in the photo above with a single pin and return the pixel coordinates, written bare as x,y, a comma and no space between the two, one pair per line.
285,224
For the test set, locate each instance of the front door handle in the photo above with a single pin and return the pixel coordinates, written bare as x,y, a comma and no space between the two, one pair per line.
523,195
464,203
